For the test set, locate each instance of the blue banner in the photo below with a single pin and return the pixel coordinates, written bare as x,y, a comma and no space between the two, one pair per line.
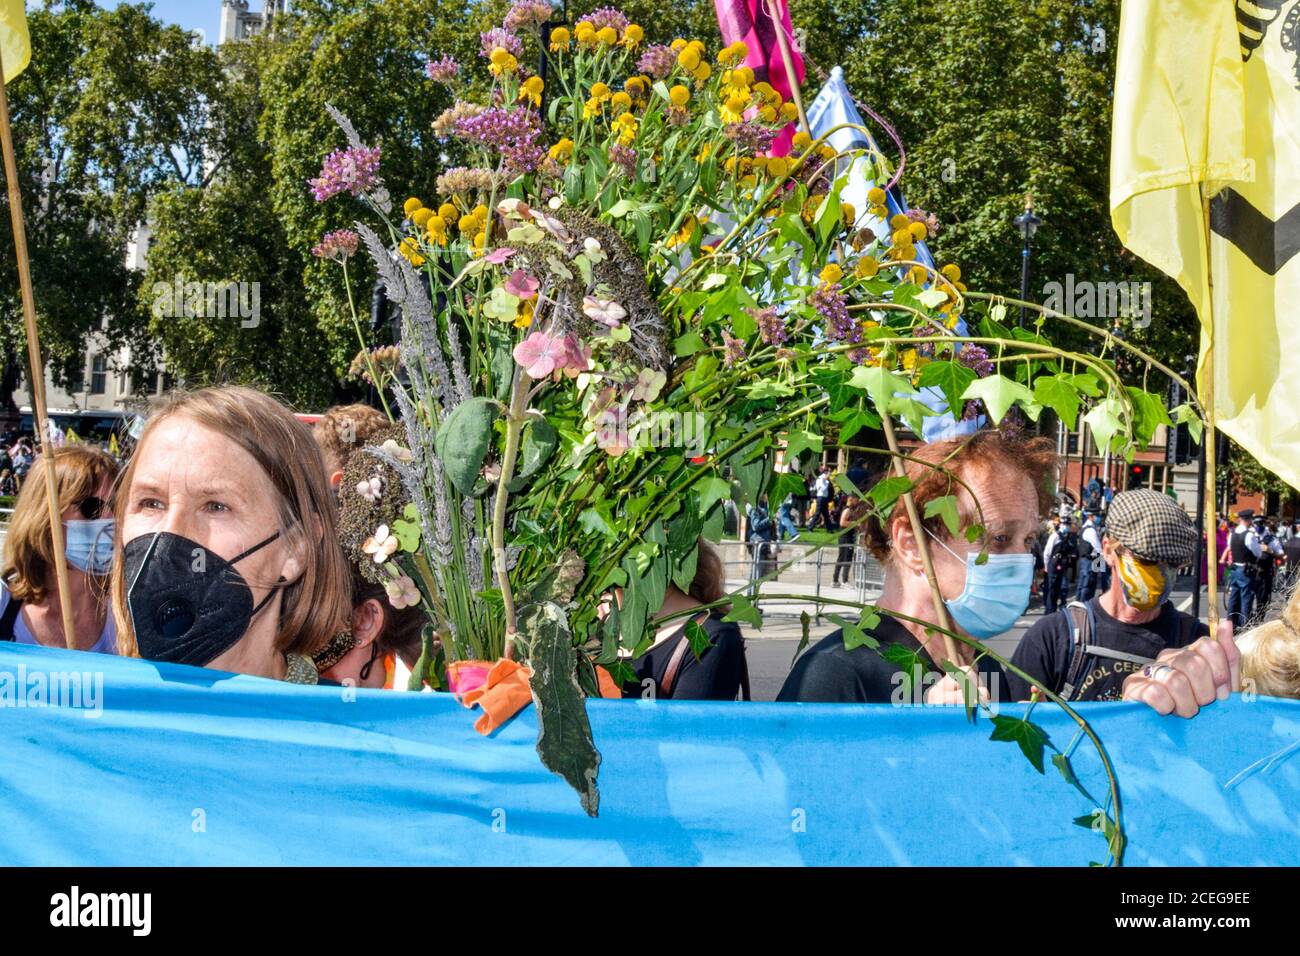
110,761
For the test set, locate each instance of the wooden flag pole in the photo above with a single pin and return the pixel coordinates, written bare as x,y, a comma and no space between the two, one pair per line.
36,369
1211,447
913,515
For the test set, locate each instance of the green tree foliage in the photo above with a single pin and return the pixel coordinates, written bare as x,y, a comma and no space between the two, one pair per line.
114,106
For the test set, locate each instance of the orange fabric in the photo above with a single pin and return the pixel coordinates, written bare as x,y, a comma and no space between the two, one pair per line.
608,689
504,694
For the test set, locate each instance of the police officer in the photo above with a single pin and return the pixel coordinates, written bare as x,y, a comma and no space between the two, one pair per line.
1090,558
1270,550
1242,557
1059,556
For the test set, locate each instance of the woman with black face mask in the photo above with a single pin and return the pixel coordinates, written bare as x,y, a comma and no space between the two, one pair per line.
229,557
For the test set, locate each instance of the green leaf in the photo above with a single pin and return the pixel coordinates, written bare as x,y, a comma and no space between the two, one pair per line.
1062,763
743,610
908,661
540,440
805,629
932,298
463,441
712,490
799,441
698,638
945,507
1185,415
688,344
1058,393
884,493
564,739
1029,736
767,388
407,534
911,411
853,635
785,485
1104,422
951,378
998,393
880,384
849,488
753,475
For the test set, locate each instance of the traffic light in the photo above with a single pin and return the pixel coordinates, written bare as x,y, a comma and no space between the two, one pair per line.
1138,476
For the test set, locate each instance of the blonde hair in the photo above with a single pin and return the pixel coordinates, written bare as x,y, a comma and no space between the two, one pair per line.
345,428
79,471
1270,653
316,606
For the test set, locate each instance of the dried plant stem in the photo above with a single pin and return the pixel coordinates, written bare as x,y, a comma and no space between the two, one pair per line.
515,419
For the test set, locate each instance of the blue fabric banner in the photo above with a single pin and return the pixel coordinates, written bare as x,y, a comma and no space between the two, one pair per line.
146,764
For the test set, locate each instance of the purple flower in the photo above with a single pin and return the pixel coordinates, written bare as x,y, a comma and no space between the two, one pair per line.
443,69
625,158
497,37
733,349
976,358
749,136
657,60
829,302
353,170
340,244
608,17
527,13
771,327
521,285
928,219
512,131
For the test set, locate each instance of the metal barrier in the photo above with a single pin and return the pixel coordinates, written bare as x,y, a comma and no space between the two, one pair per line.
804,578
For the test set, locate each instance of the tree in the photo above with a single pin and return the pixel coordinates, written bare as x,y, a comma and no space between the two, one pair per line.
113,107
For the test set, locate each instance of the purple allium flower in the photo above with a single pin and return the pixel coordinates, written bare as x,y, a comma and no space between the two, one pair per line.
976,358
657,60
497,37
771,327
442,70
607,17
750,137
527,13
514,132
624,157
353,170
829,302
340,244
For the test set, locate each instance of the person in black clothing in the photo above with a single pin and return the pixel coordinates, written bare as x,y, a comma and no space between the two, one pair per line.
1087,650
1291,549
671,668
1009,477
850,517
1060,555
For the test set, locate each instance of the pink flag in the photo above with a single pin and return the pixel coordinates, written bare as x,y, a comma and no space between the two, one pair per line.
748,20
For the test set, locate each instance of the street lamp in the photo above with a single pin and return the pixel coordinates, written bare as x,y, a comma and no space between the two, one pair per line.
1028,224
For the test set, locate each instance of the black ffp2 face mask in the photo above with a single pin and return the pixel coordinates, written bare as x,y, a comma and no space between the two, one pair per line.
188,604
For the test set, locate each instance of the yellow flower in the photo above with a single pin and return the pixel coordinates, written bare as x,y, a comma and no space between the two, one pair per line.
421,217
585,33
733,110
704,152
620,101
777,166
702,73
562,151
679,95
917,275
876,196
502,61
735,53
531,90
831,274
468,223
880,212
476,246
866,267
918,231
827,151
689,59
480,212
600,91
678,45
626,126
683,235
607,35
632,35
636,86
952,272
899,221
524,316
848,214
767,114
789,112
410,249
801,140
411,205
448,212
742,76
559,39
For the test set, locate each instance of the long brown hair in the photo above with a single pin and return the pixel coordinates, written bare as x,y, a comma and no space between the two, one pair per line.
79,470
316,606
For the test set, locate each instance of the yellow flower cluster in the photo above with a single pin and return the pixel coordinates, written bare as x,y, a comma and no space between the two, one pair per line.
502,61
733,54
562,151
690,57
595,105
802,142
589,37
436,223
683,235
876,197
625,126
530,90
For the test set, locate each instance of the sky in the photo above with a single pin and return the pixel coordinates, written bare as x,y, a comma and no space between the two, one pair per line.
202,15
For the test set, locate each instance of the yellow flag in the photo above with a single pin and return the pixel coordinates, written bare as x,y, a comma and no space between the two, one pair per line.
1207,96
15,45
113,448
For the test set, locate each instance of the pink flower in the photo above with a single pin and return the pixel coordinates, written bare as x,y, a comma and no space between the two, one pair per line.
541,354
605,311
370,488
402,592
576,357
381,545
611,433
499,256
522,285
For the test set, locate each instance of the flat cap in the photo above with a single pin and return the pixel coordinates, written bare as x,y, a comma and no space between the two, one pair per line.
1152,526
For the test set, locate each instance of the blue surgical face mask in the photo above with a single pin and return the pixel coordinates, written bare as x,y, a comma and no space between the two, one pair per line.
995,595
88,545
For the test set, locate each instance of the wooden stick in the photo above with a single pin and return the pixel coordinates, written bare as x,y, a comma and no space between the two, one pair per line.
1211,451
784,44
36,369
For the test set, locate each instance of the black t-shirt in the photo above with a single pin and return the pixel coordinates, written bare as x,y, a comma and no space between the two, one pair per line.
1045,650
715,676
829,673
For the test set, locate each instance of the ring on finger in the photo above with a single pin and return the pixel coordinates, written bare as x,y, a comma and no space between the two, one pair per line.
1156,671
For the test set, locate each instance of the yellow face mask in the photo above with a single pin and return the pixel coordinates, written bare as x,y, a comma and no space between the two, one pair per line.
1146,586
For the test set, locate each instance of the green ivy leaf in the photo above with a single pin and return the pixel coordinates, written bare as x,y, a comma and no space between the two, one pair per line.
884,493
1058,394
1029,736
698,638
998,393
1104,422
880,384
1062,763
908,661
951,378
946,508
688,344
805,629
712,490
799,441
743,610
787,484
